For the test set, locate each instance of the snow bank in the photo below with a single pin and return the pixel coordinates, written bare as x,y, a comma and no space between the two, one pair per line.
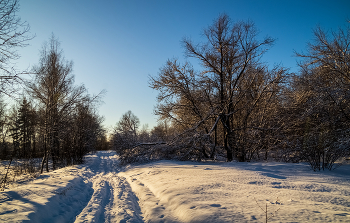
53,197
225,192
92,192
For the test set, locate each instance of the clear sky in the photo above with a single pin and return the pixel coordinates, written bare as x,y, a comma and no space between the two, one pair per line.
116,45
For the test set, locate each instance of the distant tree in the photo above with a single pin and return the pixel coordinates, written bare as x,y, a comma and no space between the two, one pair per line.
161,132
86,132
13,34
102,142
144,134
125,135
128,125
14,132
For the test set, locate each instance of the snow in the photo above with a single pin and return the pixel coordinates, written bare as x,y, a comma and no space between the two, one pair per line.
226,192
92,192
17,173
173,191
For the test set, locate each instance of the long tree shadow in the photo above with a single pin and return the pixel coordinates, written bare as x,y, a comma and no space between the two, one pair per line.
64,206
270,173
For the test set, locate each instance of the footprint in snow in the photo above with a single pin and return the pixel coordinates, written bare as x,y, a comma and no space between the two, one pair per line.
343,214
254,182
274,183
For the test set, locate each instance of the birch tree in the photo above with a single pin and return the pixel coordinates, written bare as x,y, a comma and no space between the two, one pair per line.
54,88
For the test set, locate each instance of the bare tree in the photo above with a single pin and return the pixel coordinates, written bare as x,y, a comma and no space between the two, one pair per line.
13,34
144,134
125,135
54,88
82,133
322,91
231,87
231,53
128,125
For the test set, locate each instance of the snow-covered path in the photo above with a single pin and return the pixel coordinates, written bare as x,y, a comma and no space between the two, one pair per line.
92,192
173,191
112,199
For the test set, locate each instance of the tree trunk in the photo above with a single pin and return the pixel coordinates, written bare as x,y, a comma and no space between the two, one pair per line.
212,155
43,161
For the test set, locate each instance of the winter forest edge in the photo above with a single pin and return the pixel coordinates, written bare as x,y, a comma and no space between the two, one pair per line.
234,108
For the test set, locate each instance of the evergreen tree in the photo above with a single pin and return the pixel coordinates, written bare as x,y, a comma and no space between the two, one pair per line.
26,125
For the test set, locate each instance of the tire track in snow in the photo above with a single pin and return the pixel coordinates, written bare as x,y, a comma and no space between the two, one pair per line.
94,211
90,192
125,206
113,199
154,209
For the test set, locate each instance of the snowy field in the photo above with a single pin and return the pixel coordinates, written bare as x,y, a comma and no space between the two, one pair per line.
169,191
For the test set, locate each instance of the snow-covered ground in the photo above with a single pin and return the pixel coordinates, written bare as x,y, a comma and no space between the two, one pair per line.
19,171
169,191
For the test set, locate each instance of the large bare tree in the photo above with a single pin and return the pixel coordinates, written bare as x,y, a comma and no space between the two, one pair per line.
230,87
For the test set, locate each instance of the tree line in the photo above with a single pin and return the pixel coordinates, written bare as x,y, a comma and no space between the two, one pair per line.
54,119
237,107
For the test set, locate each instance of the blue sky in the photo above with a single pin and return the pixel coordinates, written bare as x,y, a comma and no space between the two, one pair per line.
116,45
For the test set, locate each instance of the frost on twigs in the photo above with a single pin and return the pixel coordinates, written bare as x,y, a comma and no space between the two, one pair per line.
188,146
